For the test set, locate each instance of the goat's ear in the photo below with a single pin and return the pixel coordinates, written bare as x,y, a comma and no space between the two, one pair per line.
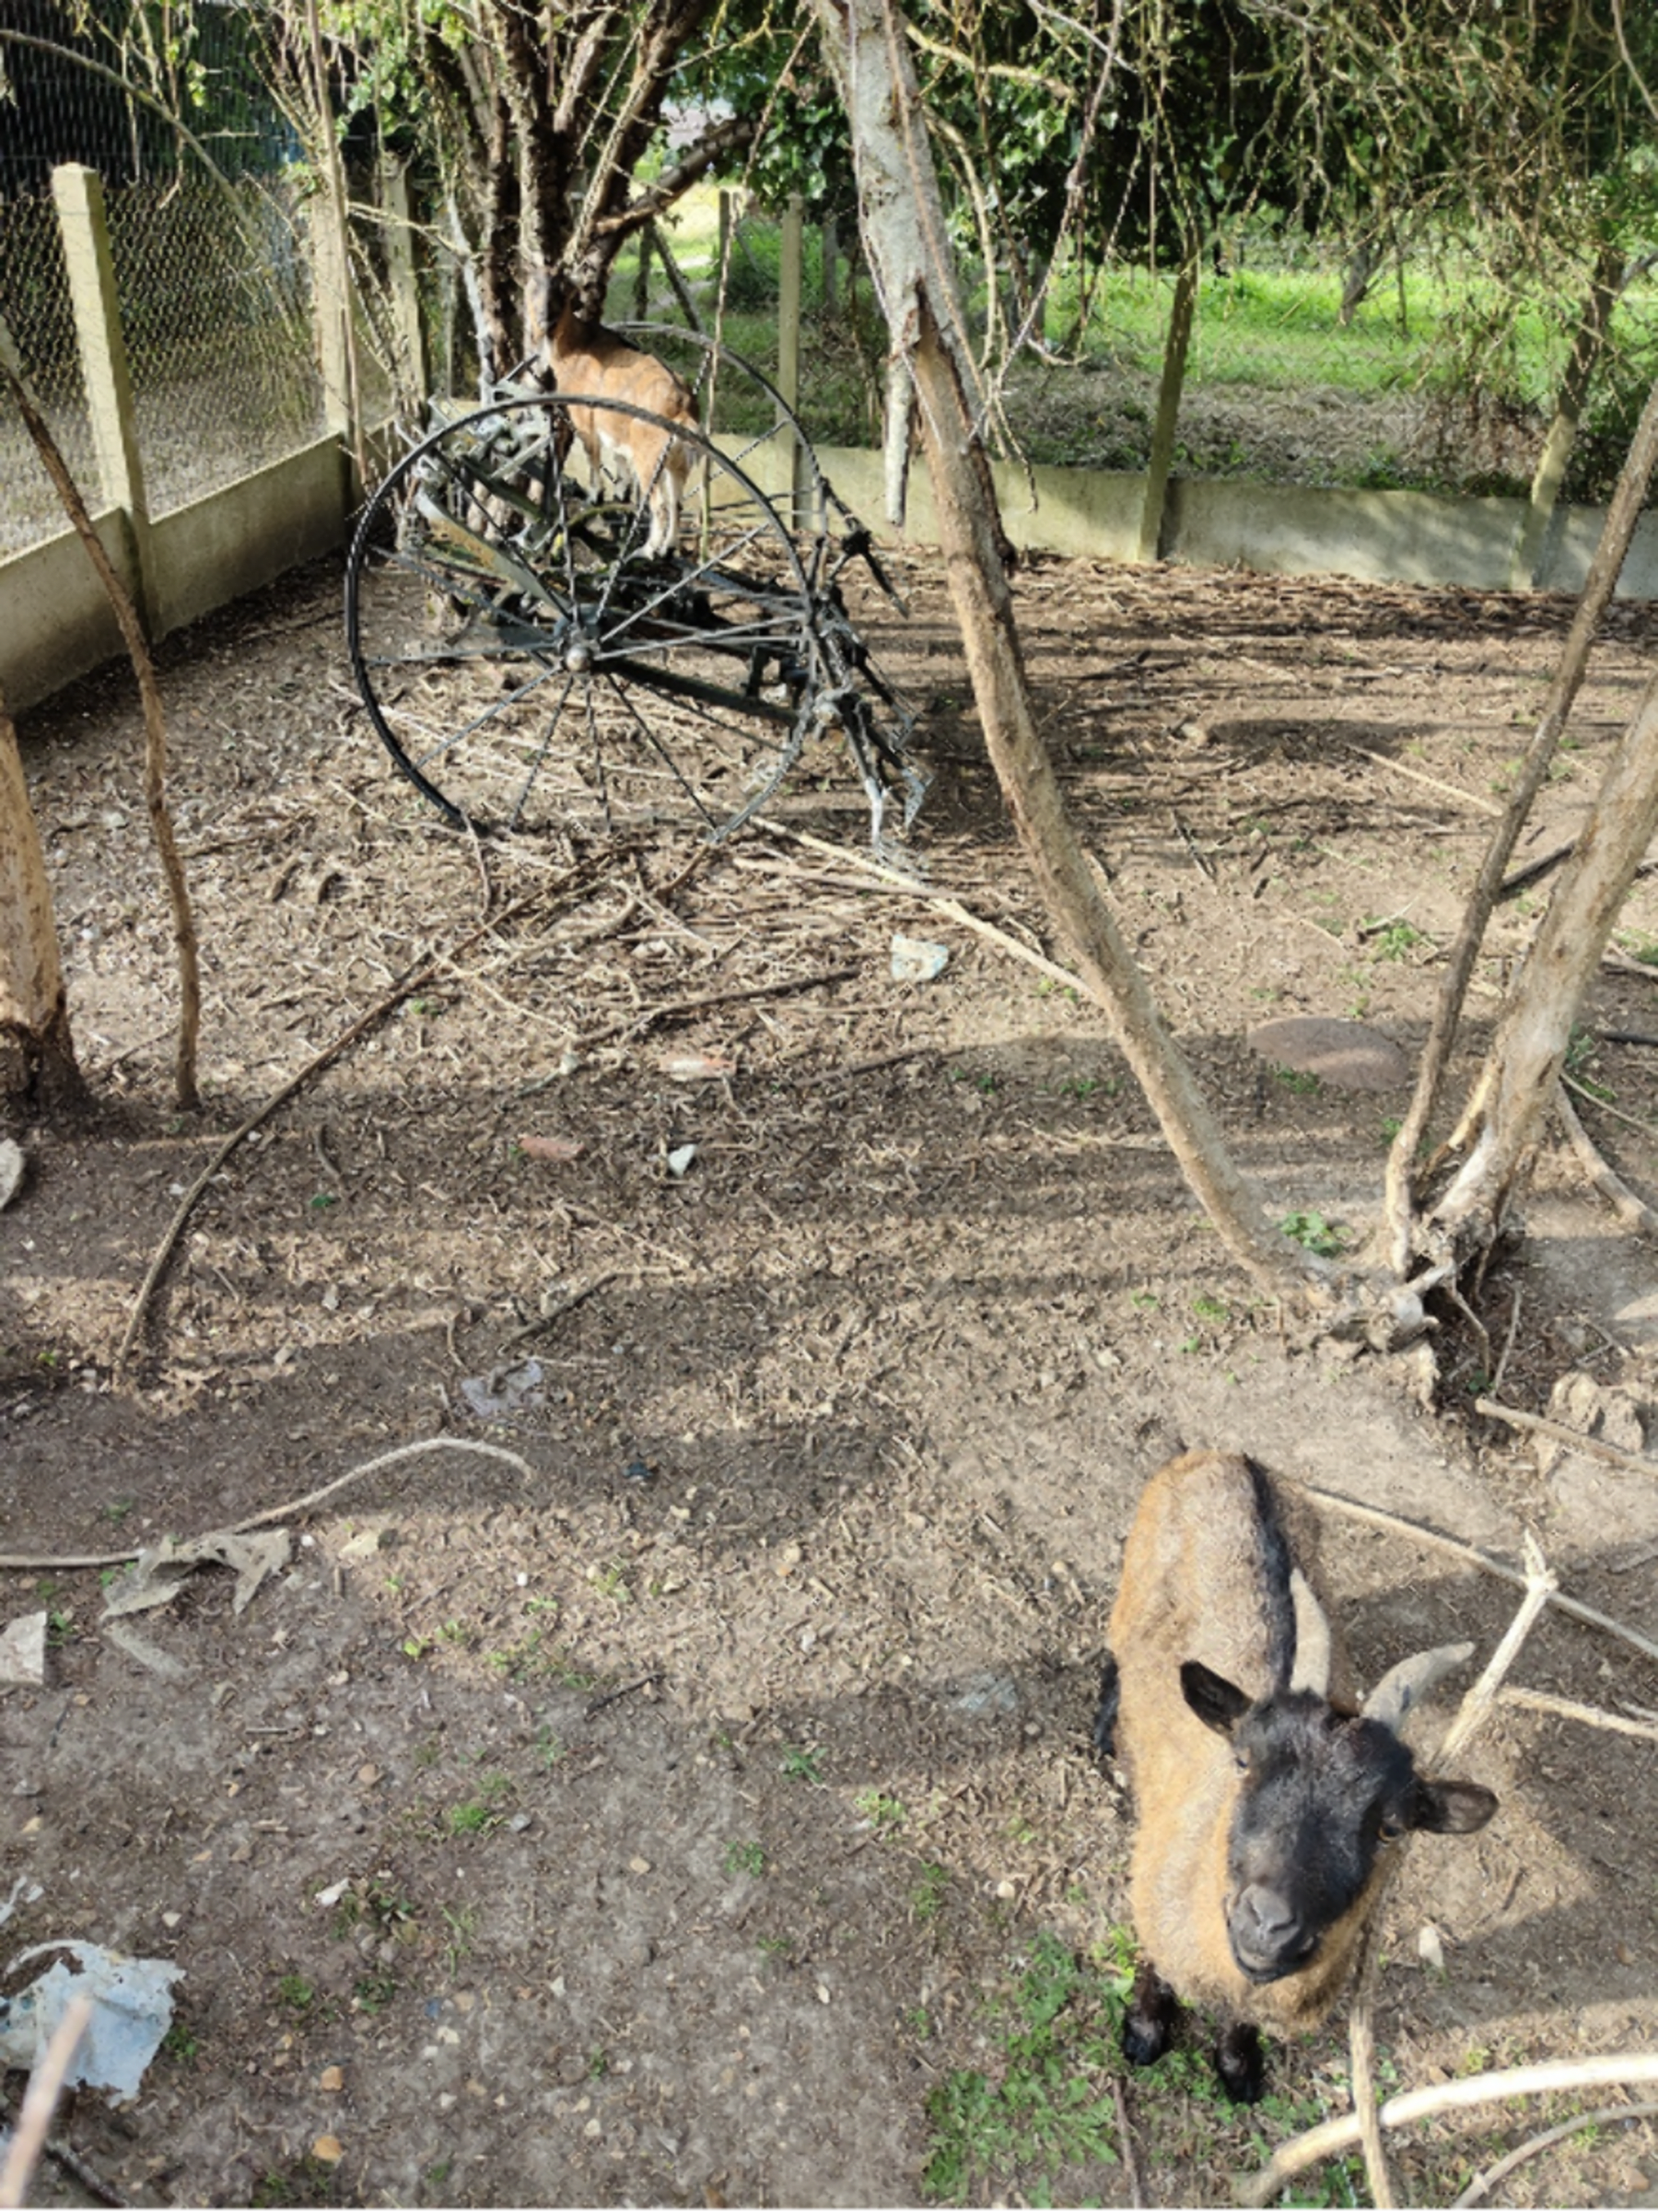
1218,1705
1451,1808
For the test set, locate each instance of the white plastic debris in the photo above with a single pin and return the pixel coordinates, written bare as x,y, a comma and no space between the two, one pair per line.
914,960
132,2011
503,1390
679,1158
158,1574
23,1651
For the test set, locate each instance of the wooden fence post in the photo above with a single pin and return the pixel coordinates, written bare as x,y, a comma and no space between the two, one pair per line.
78,192
1175,348
790,260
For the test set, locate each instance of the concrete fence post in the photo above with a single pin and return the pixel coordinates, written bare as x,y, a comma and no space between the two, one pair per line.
789,267
78,192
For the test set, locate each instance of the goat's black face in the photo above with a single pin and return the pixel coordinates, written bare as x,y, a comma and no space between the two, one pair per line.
1319,1792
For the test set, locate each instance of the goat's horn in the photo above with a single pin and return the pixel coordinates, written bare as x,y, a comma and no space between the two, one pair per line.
1405,1685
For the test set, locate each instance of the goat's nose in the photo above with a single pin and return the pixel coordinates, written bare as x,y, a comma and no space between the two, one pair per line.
1268,1931
1269,1914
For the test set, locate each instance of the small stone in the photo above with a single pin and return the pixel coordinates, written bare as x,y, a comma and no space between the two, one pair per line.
638,1866
1006,1890
329,2149
331,2079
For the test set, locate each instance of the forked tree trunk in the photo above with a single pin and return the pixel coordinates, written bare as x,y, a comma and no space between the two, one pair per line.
1503,1119
904,234
37,1052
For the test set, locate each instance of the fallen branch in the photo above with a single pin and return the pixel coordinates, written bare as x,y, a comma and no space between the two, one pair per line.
1332,2137
27,1564
647,1016
1566,1708
40,2100
410,981
1633,1212
1483,2184
1377,1518
1632,1463
1540,1585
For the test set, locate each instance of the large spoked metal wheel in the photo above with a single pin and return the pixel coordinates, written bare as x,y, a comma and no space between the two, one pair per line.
540,646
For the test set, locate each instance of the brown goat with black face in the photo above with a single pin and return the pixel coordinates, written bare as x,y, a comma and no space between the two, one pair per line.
1266,1801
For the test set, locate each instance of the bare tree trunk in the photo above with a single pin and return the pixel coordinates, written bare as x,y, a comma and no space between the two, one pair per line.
905,238
154,724
1517,1083
37,1051
1603,572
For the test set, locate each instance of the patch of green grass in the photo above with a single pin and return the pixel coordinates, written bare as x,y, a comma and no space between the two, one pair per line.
776,1950
479,1815
1209,1308
1299,1079
801,1763
306,2180
296,1991
373,1993
1046,2104
744,1858
181,2043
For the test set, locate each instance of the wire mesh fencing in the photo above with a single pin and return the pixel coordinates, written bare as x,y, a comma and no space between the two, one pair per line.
34,302
215,291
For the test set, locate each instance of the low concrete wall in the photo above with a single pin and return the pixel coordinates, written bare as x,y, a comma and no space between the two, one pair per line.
55,617
1280,530
219,548
55,622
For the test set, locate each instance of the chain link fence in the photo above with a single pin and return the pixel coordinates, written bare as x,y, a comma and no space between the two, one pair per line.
212,277
1308,364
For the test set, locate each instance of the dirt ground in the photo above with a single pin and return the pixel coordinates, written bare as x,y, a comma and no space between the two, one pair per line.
689,1800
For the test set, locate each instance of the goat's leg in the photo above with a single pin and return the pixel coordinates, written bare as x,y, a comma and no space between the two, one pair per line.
1240,2063
1148,2023
1105,1712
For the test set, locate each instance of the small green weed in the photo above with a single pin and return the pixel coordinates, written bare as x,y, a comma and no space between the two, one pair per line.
1209,1308
321,1200
1314,1234
776,1950
927,1892
881,1811
1391,939
181,2043
1299,1080
744,1858
295,1991
373,1993
462,1925
801,1764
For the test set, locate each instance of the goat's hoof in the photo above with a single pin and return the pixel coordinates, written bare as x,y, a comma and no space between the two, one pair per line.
1144,2041
1241,2064
1106,1713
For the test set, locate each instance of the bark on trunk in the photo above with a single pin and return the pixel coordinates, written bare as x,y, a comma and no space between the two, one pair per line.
1529,1048
904,234
155,722
37,1051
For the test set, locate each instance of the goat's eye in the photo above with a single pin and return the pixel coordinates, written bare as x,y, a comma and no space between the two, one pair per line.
1391,1827
1241,1760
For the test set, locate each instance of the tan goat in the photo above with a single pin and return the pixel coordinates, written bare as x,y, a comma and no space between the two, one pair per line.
1264,1800
586,359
